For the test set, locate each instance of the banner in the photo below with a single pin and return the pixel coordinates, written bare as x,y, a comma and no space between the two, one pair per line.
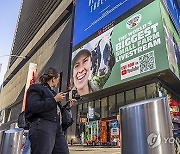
172,43
91,15
132,49
174,10
30,80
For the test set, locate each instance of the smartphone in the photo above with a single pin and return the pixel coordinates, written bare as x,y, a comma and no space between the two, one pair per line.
68,90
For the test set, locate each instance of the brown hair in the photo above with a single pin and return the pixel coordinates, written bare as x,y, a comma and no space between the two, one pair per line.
48,75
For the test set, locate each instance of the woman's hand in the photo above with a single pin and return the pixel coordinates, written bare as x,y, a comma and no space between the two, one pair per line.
71,102
60,96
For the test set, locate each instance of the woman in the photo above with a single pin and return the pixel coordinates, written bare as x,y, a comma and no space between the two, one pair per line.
45,134
81,72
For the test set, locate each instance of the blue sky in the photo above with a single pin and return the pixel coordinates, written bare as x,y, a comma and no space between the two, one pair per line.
9,11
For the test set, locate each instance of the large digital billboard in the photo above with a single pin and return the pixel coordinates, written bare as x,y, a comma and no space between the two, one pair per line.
172,43
91,15
131,49
174,10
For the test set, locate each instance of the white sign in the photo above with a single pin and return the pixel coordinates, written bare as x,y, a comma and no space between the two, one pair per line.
91,113
133,21
138,65
114,131
130,68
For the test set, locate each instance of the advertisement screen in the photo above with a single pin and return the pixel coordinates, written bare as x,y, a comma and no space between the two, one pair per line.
129,50
91,15
174,10
172,43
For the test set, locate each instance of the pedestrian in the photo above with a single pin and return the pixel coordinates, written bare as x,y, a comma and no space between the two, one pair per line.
43,112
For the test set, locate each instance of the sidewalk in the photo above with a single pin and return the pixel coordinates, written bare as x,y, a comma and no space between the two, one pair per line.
84,149
94,146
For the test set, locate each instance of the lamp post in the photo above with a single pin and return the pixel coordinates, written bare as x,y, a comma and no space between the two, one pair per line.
23,57
13,56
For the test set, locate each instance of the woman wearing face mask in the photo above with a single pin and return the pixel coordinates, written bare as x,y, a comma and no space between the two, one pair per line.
81,72
45,134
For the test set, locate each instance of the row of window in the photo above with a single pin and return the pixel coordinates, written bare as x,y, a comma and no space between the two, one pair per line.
109,106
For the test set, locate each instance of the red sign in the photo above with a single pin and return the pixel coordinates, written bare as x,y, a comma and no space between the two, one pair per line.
30,81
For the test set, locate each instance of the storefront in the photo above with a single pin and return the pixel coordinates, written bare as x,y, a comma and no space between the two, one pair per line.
106,112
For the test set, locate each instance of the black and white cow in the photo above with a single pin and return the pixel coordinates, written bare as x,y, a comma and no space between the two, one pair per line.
103,58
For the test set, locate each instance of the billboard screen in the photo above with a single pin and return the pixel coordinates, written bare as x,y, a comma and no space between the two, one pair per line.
172,43
174,10
91,15
129,50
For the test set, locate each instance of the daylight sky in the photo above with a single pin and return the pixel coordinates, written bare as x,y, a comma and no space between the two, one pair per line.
9,11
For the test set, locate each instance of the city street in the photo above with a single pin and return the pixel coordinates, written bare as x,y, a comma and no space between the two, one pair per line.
94,150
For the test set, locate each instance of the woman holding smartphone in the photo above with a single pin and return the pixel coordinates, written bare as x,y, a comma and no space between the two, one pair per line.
45,134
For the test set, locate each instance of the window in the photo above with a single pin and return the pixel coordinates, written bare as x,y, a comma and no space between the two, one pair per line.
112,105
91,104
104,107
79,113
97,109
151,90
120,100
140,93
130,96
85,109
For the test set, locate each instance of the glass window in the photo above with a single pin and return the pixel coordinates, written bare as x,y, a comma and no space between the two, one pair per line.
140,93
151,90
79,113
85,110
130,96
163,91
91,104
120,100
97,109
104,108
112,105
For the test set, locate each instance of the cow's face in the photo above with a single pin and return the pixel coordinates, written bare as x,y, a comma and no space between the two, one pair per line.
103,51
103,60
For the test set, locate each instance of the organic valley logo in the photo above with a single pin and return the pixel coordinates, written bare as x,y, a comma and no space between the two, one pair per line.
134,21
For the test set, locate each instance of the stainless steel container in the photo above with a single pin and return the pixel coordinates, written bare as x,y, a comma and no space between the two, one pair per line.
12,141
146,127
2,133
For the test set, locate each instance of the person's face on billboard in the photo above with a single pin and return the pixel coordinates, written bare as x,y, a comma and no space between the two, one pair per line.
81,71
